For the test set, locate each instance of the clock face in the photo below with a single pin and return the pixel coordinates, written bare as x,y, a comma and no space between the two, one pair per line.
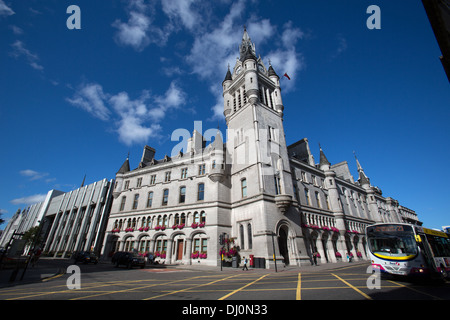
238,70
261,68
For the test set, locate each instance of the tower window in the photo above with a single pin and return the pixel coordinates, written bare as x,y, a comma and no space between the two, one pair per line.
244,188
277,184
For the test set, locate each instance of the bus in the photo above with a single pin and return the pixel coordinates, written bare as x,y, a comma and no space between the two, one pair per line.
407,250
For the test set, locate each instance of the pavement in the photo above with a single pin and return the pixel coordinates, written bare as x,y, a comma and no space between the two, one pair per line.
49,268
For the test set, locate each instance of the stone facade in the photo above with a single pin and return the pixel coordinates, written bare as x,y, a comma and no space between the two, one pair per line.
269,201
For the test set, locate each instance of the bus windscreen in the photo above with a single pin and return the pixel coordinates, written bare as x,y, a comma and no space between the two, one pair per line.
392,240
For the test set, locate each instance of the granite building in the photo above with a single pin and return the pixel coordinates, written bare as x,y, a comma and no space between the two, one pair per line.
252,196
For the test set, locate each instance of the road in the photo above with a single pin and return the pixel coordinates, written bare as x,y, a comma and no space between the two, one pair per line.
105,282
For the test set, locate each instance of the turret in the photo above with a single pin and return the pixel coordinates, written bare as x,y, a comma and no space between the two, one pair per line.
277,90
226,94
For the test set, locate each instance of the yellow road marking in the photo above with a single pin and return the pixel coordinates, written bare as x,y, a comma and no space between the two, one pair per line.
298,295
190,288
237,290
136,288
353,287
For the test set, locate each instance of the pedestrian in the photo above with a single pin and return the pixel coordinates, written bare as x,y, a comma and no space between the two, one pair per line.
315,258
349,257
245,264
150,258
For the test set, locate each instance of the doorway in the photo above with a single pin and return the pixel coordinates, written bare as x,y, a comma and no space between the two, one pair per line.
180,249
283,245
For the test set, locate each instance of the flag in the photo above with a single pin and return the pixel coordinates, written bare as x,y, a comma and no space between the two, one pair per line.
287,76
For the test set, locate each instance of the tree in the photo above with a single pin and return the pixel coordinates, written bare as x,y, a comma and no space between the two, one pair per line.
30,235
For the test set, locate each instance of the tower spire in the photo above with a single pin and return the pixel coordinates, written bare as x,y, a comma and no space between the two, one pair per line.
247,47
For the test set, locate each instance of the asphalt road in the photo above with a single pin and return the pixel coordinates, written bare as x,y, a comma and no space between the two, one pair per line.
254,288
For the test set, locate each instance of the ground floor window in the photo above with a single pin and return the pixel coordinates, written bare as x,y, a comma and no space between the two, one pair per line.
200,247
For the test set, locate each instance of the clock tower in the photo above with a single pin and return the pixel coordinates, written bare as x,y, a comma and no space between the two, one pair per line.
262,192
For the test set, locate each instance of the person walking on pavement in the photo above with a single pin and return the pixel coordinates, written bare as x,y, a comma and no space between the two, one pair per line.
245,264
315,258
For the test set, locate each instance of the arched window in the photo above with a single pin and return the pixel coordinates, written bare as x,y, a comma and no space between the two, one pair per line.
241,236
196,217
202,217
177,218
183,218
250,237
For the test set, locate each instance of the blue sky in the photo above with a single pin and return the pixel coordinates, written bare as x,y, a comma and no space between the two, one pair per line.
75,102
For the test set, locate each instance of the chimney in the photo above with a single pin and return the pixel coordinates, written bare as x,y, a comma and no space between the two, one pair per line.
148,154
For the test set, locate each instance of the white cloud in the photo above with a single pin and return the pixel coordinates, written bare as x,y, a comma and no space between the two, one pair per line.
182,10
134,32
19,50
5,10
135,120
138,32
219,47
91,99
36,198
214,46
33,175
